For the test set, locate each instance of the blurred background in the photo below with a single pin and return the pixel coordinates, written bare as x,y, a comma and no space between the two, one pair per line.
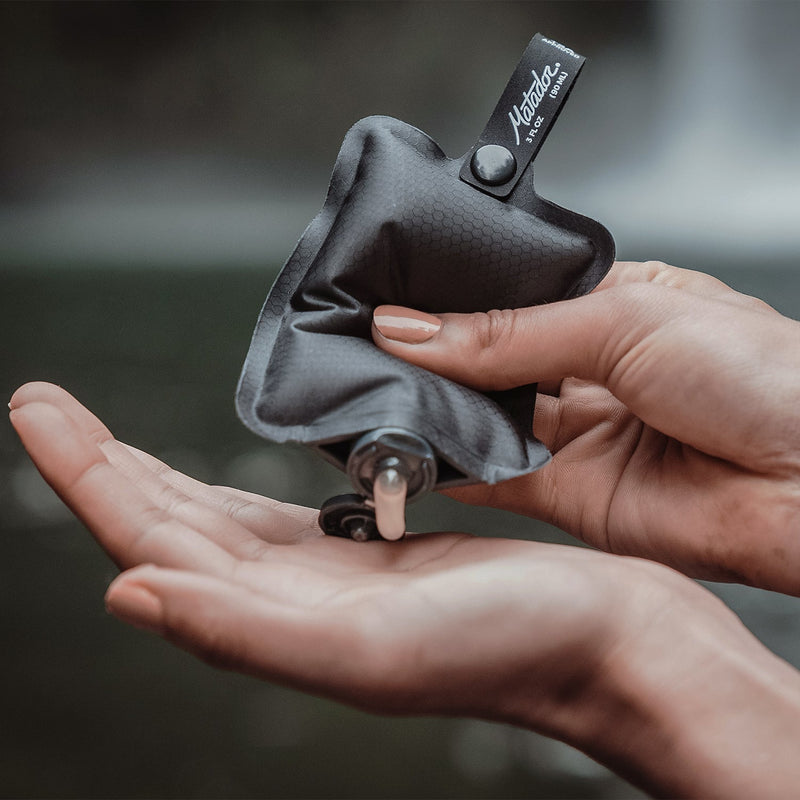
158,161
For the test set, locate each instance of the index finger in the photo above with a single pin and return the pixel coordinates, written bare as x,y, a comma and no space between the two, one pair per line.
129,526
688,280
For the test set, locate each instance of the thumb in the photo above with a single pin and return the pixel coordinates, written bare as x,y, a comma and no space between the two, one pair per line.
493,350
224,624
307,646
708,372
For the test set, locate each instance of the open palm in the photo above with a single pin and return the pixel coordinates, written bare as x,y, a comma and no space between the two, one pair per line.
441,623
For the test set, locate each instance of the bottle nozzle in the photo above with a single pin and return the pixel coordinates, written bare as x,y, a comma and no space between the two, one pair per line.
388,467
389,491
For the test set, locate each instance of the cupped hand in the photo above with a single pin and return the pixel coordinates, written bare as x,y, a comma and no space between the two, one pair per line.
444,623
672,416
620,657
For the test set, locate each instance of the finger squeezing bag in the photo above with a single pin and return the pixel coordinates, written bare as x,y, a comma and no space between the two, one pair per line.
403,224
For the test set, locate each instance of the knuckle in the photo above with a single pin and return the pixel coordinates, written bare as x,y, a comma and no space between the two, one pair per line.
636,312
656,269
654,266
169,499
636,306
494,336
494,329
234,507
756,304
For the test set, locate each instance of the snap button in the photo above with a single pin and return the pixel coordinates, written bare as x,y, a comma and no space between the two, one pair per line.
493,164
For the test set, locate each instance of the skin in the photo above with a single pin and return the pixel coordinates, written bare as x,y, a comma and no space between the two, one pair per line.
670,406
624,658
250,583
621,657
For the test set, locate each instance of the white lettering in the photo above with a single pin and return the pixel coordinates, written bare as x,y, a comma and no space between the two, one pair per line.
523,113
567,50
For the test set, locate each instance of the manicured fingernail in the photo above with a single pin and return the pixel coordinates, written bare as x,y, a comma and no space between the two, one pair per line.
135,605
405,324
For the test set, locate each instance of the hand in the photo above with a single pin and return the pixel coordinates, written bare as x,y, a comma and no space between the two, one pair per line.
620,657
441,623
674,419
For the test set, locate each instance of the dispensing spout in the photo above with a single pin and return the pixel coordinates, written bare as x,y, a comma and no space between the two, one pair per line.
388,467
389,491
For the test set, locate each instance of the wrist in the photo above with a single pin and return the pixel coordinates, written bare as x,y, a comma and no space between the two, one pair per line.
689,703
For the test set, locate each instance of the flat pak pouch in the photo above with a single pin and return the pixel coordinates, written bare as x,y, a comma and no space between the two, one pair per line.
404,224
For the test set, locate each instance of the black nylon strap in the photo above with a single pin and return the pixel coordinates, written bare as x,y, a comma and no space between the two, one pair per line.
528,107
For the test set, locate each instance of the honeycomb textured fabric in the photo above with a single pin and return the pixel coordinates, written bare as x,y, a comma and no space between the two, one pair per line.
399,227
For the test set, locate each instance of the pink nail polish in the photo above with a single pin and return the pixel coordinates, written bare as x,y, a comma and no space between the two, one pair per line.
405,324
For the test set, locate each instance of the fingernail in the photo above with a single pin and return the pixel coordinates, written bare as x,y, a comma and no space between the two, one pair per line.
135,605
405,324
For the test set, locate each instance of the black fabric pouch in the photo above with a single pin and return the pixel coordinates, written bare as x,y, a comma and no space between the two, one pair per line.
403,224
